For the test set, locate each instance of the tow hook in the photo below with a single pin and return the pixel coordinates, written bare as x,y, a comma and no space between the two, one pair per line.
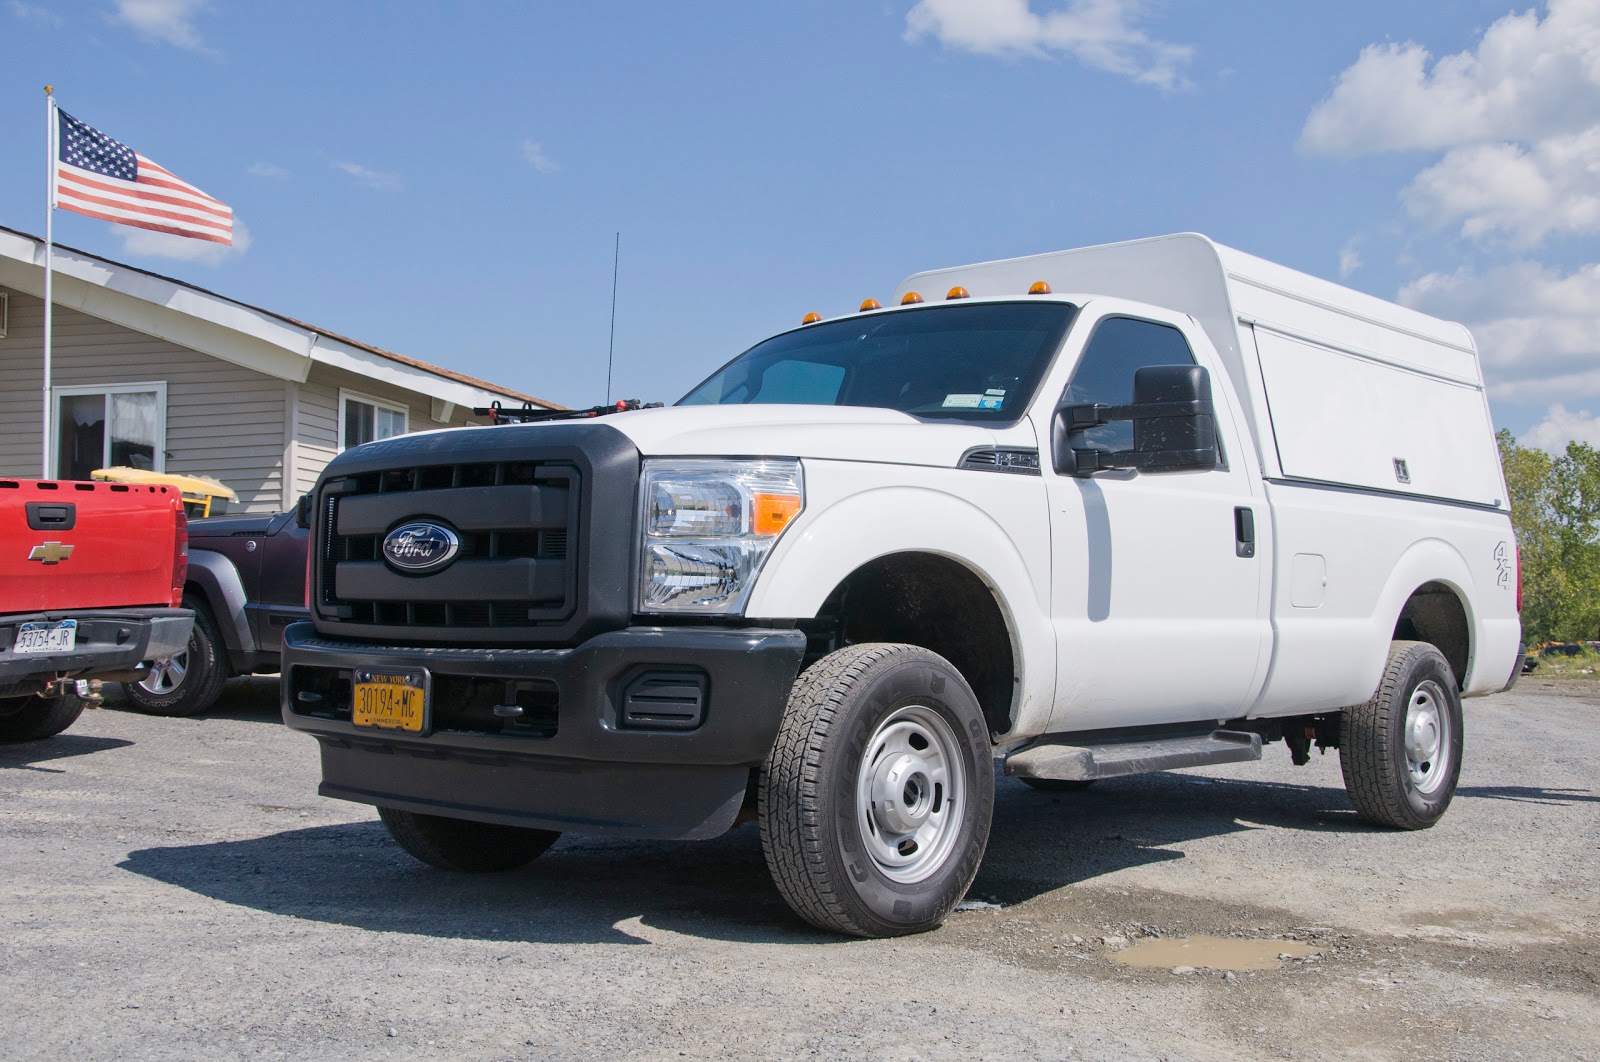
88,689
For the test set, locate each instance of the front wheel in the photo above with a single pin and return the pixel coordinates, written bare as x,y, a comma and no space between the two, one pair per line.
464,845
1401,751
31,718
875,802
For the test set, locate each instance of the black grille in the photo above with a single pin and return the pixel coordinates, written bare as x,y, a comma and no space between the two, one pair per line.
514,520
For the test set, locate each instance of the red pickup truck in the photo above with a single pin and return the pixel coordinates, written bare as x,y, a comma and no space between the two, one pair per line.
91,575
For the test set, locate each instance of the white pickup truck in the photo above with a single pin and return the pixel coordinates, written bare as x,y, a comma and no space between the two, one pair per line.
1111,510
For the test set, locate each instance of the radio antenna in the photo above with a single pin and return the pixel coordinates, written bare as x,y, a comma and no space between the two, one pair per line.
611,350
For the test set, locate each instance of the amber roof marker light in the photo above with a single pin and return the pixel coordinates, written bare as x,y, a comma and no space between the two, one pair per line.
869,304
811,318
957,292
910,297
1040,287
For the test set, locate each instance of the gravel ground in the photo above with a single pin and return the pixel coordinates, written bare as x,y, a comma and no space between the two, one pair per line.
174,888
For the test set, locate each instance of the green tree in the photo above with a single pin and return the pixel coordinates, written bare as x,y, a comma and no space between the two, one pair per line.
1555,509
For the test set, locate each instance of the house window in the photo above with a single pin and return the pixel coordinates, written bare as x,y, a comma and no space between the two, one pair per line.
110,425
363,419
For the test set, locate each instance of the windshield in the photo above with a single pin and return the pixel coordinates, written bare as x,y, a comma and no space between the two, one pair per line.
980,361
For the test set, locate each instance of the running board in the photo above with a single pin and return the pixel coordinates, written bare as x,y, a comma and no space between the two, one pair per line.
1112,759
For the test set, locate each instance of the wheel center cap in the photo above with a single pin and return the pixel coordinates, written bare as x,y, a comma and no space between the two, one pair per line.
902,793
1423,737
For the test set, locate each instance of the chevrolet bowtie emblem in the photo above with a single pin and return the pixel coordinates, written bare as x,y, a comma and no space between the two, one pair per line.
51,552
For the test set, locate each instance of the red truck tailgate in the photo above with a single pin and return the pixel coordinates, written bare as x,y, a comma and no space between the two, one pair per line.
70,545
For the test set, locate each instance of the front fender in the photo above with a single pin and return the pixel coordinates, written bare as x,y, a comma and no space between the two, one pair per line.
824,548
223,590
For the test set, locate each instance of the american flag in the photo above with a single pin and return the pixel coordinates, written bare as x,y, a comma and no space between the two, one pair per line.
100,177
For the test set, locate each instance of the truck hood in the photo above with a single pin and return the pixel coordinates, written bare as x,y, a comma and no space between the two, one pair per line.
230,526
842,433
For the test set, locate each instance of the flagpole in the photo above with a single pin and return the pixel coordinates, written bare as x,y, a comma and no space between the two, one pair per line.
49,240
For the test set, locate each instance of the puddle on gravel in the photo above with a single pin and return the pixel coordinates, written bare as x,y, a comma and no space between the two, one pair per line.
1211,953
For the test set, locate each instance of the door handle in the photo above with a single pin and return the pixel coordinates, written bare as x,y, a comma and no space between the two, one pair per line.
51,516
1244,531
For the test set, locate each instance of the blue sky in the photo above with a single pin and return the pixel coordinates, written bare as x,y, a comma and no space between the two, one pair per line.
445,180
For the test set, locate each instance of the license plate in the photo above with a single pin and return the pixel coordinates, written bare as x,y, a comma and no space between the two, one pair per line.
47,637
390,700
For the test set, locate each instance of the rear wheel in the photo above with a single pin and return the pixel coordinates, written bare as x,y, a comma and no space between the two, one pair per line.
875,802
189,682
1401,751
464,845
31,718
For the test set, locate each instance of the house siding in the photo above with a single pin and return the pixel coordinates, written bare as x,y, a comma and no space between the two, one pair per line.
266,437
318,442
222,420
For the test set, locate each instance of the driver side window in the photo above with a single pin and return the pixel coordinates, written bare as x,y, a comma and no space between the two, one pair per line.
1104,374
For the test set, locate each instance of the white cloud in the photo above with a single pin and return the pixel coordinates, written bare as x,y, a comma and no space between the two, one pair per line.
1522,194
169,21
1098,33
1528,79
1560,427
267,169
32,13
1517,117
537,158
374,179
143,243
1537,329
1349,259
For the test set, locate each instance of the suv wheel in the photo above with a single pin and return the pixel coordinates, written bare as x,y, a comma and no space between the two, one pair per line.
189,682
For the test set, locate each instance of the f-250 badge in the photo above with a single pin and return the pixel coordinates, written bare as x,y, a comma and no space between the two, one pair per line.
51,552
1502,567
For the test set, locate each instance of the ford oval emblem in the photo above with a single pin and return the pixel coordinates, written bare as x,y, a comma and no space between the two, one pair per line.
421,547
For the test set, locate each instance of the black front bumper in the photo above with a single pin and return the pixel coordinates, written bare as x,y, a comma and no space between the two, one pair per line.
108,641
586,758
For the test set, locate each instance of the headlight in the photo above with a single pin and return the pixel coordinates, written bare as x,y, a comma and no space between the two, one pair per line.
708,527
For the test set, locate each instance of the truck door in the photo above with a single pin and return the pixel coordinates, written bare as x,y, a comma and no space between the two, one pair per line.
1159,587
279,598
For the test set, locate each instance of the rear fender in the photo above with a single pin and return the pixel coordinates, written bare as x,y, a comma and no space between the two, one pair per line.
1431,560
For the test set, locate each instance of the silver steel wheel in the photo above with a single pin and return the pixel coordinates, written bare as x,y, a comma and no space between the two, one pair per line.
910,791
1427,738
166,675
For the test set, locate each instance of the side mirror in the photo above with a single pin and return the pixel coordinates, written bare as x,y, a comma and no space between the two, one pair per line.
1174,426
302,511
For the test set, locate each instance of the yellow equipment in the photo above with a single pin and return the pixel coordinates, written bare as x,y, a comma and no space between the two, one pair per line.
200,493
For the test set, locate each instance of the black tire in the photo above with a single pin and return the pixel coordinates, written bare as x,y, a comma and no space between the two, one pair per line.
204,670
831,851
1058,785
1393,782
31,718
463,845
